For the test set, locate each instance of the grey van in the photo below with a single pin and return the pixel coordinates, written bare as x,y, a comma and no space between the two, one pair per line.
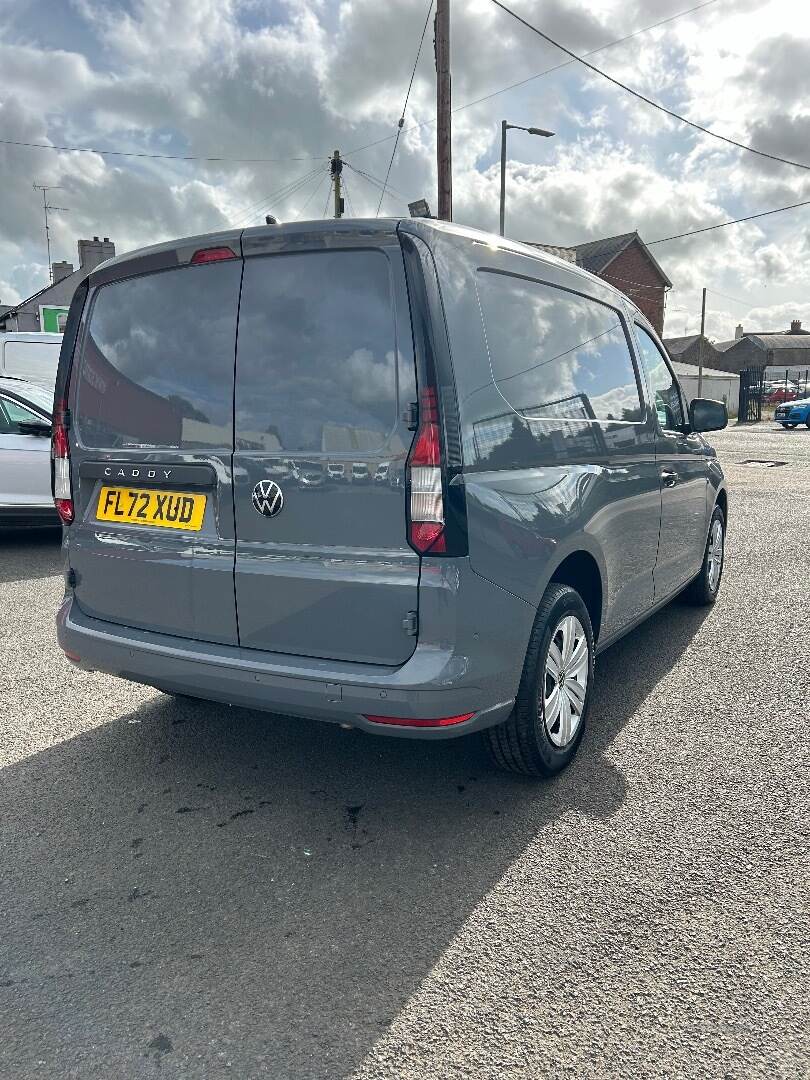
555,488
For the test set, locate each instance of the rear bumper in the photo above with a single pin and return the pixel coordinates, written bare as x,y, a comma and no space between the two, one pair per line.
324,690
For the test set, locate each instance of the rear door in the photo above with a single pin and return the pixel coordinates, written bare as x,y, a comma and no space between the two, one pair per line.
151,401
325,369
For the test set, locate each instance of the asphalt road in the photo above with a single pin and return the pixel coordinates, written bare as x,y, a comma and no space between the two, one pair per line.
188,890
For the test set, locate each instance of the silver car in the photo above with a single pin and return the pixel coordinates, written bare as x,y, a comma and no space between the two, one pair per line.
25,460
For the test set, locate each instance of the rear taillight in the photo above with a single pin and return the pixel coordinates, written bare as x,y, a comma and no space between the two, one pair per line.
426,526
60,458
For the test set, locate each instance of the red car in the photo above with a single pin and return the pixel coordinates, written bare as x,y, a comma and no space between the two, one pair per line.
781,394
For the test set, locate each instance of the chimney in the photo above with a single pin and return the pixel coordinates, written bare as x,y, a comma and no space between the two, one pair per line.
93,252
796,326
738,333
61,270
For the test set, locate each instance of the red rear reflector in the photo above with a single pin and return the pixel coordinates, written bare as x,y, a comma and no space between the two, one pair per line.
72,656
408,721
213,254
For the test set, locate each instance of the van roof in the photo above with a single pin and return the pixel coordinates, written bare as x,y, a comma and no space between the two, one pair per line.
157,255
38,336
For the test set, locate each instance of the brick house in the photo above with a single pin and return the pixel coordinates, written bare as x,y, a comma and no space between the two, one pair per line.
626,262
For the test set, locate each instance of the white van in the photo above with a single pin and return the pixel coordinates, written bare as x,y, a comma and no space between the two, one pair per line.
31,356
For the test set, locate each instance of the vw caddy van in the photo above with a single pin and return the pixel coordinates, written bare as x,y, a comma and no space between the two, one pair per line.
555,490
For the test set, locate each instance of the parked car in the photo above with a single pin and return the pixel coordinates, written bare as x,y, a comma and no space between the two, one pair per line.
336,471
31,356
360,473
381,472
557,489
792,414
25,454
781,394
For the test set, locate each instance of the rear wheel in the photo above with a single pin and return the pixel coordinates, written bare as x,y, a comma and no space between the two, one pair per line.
791,425
704,589
546,725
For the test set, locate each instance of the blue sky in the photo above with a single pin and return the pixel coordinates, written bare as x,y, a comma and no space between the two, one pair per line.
296,79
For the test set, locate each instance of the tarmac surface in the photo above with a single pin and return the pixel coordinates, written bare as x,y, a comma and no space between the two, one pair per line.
189,890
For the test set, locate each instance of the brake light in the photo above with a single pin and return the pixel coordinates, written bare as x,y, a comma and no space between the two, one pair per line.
60,464
212,254
425,479
408,721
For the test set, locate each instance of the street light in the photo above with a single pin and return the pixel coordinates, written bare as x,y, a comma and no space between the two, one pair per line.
504,128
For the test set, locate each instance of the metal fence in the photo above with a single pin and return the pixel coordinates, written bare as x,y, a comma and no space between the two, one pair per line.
763,388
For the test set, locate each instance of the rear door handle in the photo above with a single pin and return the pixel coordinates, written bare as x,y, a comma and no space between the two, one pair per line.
669,478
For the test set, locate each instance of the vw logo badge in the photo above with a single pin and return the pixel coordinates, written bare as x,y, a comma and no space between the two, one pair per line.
267,498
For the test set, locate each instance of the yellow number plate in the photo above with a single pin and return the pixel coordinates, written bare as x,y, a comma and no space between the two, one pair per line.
144,506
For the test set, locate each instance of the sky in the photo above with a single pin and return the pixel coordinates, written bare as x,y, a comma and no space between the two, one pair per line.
291,80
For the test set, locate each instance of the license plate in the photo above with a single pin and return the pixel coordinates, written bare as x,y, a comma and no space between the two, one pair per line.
144,506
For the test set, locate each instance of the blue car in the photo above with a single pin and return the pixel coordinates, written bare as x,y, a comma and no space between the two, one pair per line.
793,413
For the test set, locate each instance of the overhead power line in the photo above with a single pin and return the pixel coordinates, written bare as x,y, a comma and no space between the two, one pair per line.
646,100
312,194
391,193
138,154
546,71
723,224
252,209
405,105
328,197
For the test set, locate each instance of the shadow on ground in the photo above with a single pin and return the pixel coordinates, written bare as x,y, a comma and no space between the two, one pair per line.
30,553
189,886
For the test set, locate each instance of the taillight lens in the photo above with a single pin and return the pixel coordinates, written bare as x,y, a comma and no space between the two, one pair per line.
60,457
425,479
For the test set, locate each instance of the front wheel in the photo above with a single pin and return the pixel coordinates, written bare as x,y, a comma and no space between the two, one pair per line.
704,589
544,729
789,427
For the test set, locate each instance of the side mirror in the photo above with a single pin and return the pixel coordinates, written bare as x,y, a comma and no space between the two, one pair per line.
34,427
707,415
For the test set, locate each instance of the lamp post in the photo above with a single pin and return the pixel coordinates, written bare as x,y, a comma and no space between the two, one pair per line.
504,128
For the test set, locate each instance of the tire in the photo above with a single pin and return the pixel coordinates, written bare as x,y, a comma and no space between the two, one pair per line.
807,422
703,591
525,743
790,427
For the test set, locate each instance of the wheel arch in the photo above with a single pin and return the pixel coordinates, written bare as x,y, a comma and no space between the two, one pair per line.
581,571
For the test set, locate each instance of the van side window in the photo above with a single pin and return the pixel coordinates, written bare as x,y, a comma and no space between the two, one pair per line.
663,384
556,354
157,360
316,364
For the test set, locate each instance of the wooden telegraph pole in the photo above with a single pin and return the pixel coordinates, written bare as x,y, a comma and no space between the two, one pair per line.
444,160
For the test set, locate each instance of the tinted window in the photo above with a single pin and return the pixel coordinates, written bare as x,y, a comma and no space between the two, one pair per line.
157,360
316,369
663,387
556,354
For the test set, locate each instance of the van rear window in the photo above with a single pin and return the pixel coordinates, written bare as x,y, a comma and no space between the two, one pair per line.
316,366
157,361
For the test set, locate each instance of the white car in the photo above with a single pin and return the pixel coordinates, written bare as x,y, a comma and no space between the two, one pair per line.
25,454
30,356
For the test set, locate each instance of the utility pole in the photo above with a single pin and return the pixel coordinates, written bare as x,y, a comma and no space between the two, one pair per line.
444,157
700,344
336,169
44,188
